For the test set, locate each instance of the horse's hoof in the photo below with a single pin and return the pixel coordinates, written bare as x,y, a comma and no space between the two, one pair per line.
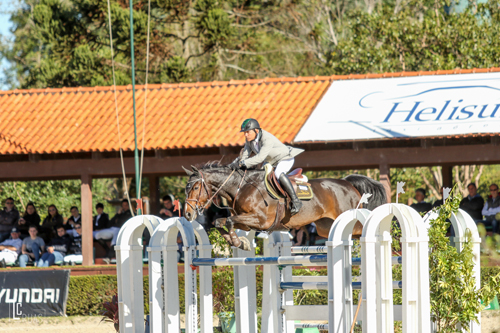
245,244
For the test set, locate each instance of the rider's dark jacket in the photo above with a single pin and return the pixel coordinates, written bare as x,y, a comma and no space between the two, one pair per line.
267,148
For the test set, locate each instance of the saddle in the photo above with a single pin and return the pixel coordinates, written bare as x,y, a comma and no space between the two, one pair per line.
299,181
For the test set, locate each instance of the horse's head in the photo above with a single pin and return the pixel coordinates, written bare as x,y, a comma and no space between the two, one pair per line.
197,194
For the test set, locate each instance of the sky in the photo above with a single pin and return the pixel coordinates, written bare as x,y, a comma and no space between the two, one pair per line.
5,24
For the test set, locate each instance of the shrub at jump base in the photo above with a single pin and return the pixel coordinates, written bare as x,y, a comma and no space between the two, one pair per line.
454,297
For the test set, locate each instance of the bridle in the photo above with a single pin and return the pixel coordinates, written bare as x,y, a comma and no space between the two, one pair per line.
198,207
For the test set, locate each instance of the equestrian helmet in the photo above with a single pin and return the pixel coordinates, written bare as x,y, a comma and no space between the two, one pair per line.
249,124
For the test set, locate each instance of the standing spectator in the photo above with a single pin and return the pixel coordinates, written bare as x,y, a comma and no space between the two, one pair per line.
8,218
101,222
76,247
473,203
492,207
115,224
57,248
47,231
33,247
167,210
10,248
421,206
30,217
75,217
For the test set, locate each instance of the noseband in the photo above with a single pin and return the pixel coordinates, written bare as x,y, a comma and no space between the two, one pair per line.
198,207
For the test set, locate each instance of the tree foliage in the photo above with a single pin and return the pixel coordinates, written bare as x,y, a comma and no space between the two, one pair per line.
66,43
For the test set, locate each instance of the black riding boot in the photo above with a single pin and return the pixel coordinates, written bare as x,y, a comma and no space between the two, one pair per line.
287,186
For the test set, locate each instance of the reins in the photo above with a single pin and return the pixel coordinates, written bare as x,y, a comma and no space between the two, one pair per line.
199,209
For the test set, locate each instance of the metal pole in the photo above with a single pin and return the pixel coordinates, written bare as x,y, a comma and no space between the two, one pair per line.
136,152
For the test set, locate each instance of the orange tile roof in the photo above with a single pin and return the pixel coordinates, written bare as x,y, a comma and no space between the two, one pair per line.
185,115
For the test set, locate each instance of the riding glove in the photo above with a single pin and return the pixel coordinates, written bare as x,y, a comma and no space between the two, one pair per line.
243,166
234,166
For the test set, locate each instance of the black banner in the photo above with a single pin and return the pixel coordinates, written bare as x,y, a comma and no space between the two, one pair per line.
29,294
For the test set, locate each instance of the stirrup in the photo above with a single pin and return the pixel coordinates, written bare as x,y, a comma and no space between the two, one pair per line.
295,207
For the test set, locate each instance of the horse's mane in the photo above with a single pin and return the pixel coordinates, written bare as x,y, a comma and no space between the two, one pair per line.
217,165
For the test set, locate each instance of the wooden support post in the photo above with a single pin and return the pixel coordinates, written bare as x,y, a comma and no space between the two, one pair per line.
87,228
154,194
447,174
385,179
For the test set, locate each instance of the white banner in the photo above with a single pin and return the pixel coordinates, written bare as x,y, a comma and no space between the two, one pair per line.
406,107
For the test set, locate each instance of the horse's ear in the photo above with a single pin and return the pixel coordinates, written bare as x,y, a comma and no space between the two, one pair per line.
195,169
189,172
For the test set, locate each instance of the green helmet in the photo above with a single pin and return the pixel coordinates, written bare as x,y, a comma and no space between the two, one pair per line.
249,124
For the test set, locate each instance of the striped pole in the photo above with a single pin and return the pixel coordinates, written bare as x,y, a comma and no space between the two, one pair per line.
309,249
306,325
324,285
312,260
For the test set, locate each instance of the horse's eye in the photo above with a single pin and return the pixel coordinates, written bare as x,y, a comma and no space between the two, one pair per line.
196,187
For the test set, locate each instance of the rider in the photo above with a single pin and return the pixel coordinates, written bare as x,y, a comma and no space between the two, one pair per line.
269,149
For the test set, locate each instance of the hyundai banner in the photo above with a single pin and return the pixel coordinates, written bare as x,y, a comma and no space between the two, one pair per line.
27,294
406,107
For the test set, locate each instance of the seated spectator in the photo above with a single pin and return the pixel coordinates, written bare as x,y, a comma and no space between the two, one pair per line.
33,247
57,248
492,208
8,218
473,203
76,247
101,222
168,207
75,217
10,249
47,231
30,217
421,206
300,236
115,224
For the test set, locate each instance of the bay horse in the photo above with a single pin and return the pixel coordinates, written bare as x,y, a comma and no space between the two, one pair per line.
255,209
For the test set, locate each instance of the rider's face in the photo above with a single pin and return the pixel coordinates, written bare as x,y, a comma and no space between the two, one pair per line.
250,135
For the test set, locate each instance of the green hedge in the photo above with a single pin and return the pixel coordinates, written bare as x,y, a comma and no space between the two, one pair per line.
88,293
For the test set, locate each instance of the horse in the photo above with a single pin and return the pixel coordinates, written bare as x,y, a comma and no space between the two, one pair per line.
254,209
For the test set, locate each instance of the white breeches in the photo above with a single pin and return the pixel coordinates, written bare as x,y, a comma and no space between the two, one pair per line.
283,167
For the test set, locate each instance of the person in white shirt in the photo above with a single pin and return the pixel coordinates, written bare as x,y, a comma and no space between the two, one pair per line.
10,249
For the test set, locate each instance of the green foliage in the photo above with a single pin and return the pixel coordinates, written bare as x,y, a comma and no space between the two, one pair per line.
66,43
87,294
454,297
62,193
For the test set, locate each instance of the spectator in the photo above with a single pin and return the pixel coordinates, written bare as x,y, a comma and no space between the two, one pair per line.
75,217
30,217
473,203
421,206
299,235
439,202
8,218
76,246
47,231
33,247
115,224
10,249
492,208
57,248
101,222
168,207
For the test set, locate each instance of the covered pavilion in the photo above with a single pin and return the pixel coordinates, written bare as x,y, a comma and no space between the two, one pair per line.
71,133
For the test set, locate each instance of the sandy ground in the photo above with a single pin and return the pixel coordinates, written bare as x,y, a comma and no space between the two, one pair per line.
490,324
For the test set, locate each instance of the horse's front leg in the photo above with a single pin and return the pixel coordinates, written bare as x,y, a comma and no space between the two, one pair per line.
244,222
219,225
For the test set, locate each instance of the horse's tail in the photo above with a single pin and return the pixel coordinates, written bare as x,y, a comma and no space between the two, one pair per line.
365,184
